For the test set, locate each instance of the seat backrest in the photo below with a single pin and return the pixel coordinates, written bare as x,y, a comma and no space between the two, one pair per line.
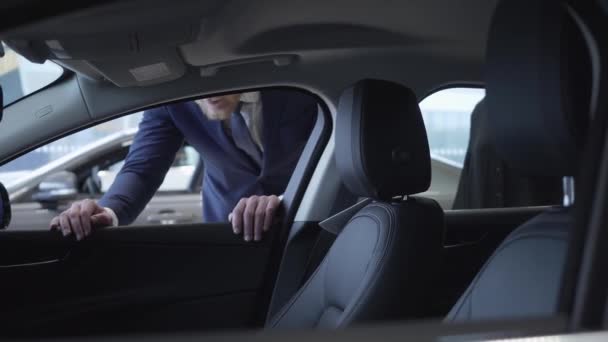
538,126
388,252
486,181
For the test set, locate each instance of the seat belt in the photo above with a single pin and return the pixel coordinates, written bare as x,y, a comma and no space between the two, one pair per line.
330,229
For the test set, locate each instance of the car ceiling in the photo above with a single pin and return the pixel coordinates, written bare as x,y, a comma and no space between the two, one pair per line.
139,43
131,55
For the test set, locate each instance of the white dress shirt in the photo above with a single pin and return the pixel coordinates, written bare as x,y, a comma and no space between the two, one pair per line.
252,113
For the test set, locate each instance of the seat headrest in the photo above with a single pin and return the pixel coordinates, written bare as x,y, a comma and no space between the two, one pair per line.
382,149
538,86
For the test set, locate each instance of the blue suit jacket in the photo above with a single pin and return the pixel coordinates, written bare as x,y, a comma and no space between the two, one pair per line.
229,174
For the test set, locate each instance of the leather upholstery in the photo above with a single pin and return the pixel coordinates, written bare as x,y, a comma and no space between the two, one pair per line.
383,259
537,125
486,181
530,87
523,276
382,149
377,268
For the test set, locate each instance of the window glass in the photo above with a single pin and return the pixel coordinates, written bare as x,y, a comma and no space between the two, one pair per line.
205,161
179,177
70,147
95,156
447,117
20,77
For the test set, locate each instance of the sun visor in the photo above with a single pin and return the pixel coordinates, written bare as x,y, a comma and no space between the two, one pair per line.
145,56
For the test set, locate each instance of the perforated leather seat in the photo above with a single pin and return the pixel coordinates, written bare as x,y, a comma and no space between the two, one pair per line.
538,96
382,261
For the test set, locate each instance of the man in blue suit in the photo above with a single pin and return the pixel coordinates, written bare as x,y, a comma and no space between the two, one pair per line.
249,142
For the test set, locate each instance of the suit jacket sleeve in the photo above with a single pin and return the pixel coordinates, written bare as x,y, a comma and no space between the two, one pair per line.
301,114
150,157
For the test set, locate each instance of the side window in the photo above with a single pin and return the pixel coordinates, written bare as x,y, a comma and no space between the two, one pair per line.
246,154
447,118
46,180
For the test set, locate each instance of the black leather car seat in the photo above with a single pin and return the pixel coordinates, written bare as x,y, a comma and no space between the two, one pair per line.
486,181
384,258
538,124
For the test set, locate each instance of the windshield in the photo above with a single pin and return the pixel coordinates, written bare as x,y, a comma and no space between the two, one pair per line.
20,77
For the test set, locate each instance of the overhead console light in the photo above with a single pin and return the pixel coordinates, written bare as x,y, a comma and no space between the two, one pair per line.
276,60
141,70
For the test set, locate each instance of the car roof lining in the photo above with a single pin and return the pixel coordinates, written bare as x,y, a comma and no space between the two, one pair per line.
107,44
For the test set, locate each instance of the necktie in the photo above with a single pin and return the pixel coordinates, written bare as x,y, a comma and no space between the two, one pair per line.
242,137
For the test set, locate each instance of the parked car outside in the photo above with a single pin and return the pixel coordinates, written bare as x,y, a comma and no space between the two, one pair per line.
38,195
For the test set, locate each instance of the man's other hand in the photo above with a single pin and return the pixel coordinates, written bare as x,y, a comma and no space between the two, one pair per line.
254,215
81,218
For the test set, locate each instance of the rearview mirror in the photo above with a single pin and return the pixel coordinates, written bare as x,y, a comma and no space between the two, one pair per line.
56,188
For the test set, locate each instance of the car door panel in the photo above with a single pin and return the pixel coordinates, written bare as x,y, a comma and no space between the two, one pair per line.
184,276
